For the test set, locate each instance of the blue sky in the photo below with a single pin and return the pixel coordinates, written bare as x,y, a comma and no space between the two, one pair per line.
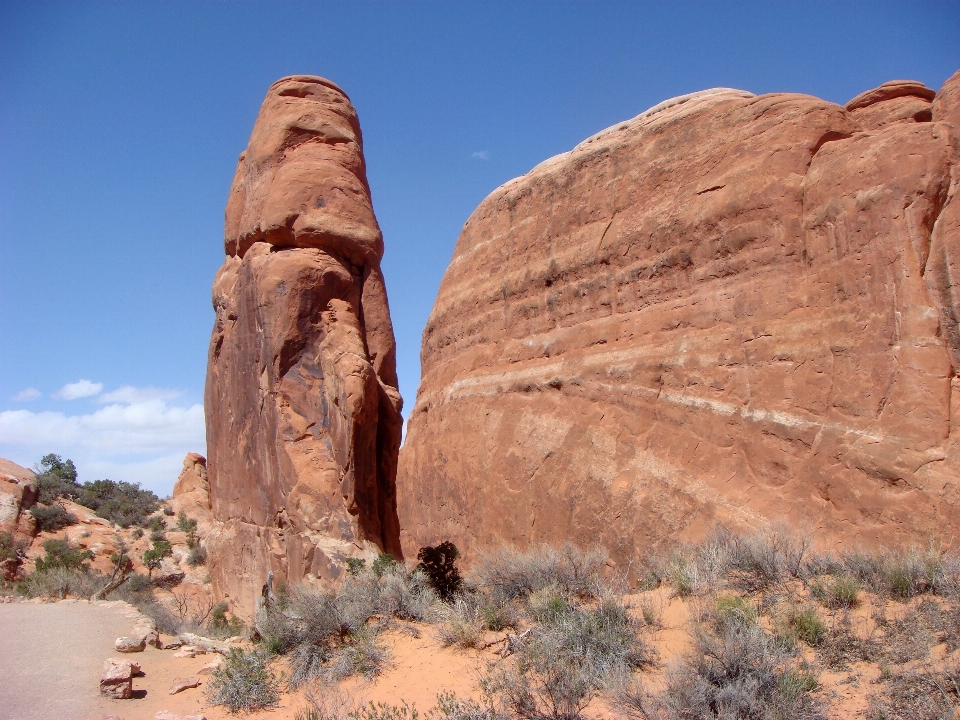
121,123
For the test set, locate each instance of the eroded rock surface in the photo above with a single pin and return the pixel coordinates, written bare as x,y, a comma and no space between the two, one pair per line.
303,414
732,307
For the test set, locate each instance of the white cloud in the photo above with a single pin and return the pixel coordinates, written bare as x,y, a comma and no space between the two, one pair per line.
142,441
481,155
27,395
79,389
131,394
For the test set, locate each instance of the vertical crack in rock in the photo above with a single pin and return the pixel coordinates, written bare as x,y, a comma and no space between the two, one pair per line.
773,338
302,406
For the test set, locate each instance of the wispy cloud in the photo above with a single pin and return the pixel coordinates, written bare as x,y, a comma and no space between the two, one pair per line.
131,394
27,395
481,155
79,389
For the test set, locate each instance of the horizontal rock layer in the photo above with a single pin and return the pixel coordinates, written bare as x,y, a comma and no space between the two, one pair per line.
732,307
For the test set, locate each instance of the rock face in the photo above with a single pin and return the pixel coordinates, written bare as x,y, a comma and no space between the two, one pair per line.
18,493
732,307
303,414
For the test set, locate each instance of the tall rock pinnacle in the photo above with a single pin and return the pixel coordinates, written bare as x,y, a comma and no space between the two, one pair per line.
302,408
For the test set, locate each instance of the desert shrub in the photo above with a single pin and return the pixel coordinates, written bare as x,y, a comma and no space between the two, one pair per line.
842,645
157,536
803,624
565,662
244,682
509,574
499,616
739,672
383,562
167,510
188,526
61,554
137,582
903,573
137,533
360,655
327,634
122,503
461,622
751,563
925,694
60,582
197,556
156,524
355,566
439,565
11,547
56,478
51,518
547,603
839,592
153,558
732,610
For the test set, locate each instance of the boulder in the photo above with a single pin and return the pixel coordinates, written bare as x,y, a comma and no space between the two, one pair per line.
731,308
130,644
18,493
181,684
302,408
203,644
116,680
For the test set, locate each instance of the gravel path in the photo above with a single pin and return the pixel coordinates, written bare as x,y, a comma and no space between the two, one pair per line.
51,656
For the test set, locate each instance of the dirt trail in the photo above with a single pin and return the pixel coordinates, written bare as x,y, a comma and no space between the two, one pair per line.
51,656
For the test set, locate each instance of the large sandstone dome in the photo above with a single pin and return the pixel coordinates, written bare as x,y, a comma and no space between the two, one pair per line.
732,307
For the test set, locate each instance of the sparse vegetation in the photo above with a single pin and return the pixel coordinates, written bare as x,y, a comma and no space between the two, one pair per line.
244,683
10,547
329,636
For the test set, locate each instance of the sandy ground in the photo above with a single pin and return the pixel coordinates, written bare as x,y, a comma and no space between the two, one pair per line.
51,655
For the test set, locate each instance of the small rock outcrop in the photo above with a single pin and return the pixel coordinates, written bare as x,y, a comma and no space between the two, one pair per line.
302,408
732,307
18,493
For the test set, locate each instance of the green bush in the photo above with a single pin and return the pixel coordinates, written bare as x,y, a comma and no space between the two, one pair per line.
805,624
51,518
438,563
355,566
10,547
384,562
56,478
156,524
244,683
61,554
122,503
153,558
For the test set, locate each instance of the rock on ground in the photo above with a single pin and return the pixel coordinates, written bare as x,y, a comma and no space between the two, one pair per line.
302,408
181,684
732,307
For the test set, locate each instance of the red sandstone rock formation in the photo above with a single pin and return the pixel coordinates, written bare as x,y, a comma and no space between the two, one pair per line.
732,307
18,493
303,414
